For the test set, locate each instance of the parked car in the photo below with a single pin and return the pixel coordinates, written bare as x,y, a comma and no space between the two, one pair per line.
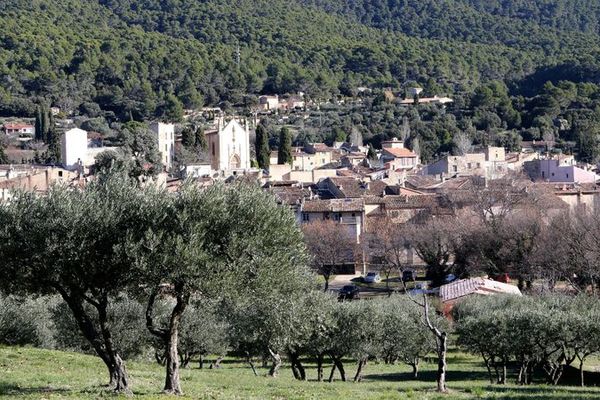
409,275
349,292
372,277
449,278
420,288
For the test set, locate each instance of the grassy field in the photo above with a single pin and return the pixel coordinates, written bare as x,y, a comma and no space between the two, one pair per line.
27,373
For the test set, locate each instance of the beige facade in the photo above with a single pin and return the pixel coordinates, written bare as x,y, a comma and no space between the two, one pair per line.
165,134
491,163
229,146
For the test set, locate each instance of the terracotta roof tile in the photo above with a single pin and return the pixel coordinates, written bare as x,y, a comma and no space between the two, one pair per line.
334,205
465,287
400,153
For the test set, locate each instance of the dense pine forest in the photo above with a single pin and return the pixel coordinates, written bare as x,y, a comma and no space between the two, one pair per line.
132,56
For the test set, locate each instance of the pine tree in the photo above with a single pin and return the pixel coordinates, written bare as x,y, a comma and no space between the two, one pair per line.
284,154
173,109
188,137
201,139
262,147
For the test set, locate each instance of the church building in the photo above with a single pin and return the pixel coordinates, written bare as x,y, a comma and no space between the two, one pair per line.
229,146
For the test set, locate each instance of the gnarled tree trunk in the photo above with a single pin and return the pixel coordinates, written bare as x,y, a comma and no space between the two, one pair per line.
217,363
359,371
297,367
170,336
274,371
320,367
118,373
116,367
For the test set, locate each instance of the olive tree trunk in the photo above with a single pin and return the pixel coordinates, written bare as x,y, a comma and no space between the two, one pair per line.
170,336
442,348
274,371
101,341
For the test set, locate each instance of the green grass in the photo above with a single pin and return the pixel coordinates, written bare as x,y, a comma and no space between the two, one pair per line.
27,373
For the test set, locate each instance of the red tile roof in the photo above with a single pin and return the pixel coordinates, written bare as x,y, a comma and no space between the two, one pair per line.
400,153
17,126
465,287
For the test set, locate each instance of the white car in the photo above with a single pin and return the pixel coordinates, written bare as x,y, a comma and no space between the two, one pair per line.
372,277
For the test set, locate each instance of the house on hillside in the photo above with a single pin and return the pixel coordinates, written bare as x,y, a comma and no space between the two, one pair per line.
427,100
395,155
165,136
349,213
560,169
490,163
269,102
18,129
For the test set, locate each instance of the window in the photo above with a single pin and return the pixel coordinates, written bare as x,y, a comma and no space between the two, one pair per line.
567,176
305,217
553,174
60,174
337,216
455,168
478,165
469,165
213,149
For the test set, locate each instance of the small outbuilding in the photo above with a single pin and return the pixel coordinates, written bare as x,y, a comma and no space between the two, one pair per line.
454,291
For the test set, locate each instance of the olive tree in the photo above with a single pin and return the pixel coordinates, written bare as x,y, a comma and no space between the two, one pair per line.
203,332
274,325
403,335
226,240
75,242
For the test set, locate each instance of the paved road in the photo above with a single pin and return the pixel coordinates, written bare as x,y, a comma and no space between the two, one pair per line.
341,280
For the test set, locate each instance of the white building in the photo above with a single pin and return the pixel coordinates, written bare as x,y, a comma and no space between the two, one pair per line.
166,142
73,148
229,146
18,128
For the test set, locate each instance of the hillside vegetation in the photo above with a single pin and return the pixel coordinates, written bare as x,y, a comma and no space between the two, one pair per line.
128,56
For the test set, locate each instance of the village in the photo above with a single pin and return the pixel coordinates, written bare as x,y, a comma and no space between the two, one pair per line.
427,246
346,191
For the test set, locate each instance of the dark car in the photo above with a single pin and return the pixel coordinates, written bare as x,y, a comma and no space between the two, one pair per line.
409,275
349,292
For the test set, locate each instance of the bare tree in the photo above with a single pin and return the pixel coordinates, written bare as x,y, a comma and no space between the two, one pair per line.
386,245
405,132
330,245
568,250
462,143
434,243
441,340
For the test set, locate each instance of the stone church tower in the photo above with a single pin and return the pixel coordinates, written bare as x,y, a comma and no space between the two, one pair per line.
229,145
